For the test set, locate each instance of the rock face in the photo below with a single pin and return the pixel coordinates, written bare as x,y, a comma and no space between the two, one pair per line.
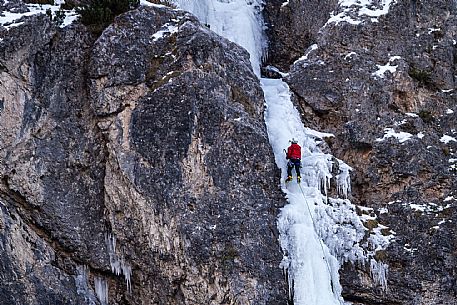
135,168
292,27
386,89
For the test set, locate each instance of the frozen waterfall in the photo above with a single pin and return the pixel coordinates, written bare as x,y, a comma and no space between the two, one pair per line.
237,20
317,232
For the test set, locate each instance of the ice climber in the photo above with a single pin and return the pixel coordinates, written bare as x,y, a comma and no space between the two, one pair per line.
294,157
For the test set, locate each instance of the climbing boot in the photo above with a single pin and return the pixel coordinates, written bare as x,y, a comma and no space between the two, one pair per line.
289,178
298,179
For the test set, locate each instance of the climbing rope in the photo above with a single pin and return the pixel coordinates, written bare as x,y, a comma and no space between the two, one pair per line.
320,240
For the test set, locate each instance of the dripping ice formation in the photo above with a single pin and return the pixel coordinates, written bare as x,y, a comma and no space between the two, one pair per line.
119,266
311,216
101,289
82,286
312,270
117,261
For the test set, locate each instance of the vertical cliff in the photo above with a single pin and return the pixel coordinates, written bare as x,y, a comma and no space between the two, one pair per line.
135,167
380,76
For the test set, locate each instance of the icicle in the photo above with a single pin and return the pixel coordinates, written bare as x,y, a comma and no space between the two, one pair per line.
379,272
343,179
127,271
82,285
81,279
119,266
101,289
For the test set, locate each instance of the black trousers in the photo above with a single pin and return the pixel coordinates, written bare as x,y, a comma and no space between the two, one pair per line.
291,164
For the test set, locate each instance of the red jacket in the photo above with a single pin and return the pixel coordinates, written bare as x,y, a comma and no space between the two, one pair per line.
294,151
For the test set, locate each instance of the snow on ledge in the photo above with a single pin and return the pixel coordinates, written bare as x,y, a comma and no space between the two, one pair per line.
446,139
388,67
147,3
384,69
318,134
355,11
390,133
310,49
9,19
429,207
167,29
349,55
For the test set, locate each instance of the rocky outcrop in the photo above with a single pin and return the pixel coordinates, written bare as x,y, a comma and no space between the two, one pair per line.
293,26
128,173
386,89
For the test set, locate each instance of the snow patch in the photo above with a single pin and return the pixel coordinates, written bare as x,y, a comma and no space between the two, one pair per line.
446,139
400,123
432,30
386,68
276,70
429,207
10,19
70,17
383,211
356,11
449,198
390,133
408,248
310,49
318,134
349,55
379,235
166,29
147,3
413,115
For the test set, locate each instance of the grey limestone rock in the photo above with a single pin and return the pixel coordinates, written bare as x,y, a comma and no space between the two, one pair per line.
339,88
135,167
293,26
